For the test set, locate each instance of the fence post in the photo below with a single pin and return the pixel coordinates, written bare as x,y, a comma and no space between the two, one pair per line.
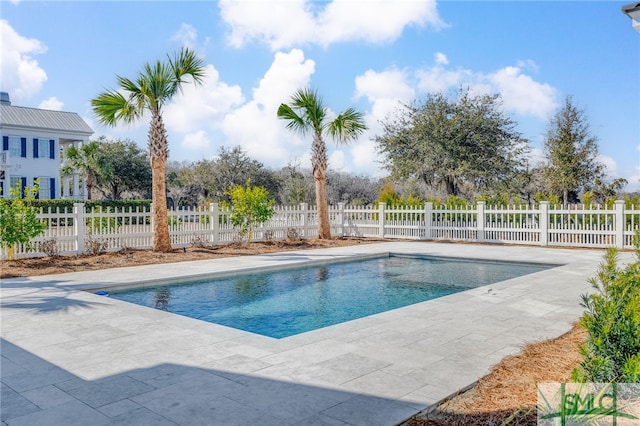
214,223
619,223
480,221
79,227
428,217
543,223
340,218
381,219
304,207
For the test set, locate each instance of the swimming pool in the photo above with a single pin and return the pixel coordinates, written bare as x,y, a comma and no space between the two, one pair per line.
292,301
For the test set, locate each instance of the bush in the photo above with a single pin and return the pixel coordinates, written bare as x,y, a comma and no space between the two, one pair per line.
612,320
18,222
250,207
50,247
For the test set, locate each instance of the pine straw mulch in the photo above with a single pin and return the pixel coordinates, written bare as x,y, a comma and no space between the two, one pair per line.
26,267
509,391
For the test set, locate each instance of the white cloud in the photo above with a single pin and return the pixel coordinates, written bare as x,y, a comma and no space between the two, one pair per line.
385,90
523,95
633,180
528,64
536,157
202,106
337,161
187,35
52,104
365,157
196,141
441,58
22,76
611,168
373,21
520,93
439,79
298,22
255,126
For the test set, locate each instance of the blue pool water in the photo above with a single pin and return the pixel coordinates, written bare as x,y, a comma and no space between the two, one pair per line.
291,301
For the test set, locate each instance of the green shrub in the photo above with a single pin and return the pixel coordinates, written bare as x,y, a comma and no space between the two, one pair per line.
18,222
250,207
612,320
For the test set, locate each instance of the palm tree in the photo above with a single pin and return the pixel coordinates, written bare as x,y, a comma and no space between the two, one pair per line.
156,84
85,162
307,113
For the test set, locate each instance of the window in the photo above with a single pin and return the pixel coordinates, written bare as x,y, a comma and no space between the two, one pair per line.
43,148
15,146
44,190
14,181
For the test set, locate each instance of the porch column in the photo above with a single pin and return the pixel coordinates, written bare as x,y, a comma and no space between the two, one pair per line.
76,188
65,187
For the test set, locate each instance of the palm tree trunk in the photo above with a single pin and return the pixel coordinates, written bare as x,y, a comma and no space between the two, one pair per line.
324,226
319,165
89,182
158,151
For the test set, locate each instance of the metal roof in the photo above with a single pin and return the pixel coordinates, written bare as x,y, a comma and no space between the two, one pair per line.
628,8
43,119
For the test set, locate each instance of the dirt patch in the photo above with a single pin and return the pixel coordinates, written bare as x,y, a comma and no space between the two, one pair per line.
128,257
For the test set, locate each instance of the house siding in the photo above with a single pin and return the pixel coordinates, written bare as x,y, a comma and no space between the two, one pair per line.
42,135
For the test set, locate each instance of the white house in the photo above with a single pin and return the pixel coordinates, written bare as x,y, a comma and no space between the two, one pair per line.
32,143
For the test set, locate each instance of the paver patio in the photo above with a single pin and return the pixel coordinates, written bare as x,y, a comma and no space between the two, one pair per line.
75,358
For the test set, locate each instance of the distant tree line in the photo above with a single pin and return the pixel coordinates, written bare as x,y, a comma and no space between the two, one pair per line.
119,169
462,147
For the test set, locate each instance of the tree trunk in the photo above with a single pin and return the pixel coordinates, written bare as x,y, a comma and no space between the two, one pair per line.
324,226
89,182
451,185
158,151
319,165
161,239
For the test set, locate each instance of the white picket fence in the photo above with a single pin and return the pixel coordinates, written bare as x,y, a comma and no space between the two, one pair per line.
79,231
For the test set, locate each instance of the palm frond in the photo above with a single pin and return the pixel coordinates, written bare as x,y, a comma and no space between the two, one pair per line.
186,62
157,86
305,112
347,126
111,107
294,121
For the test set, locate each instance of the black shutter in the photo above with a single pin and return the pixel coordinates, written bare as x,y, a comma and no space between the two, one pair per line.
35,148
52,187
23,147
23,180
5,143
52,149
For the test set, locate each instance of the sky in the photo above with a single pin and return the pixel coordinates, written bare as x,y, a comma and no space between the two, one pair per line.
372,55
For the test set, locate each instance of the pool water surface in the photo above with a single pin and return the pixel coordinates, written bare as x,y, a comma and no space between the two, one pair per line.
292,301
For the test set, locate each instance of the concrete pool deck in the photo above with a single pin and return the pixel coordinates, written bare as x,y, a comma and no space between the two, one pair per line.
75,358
